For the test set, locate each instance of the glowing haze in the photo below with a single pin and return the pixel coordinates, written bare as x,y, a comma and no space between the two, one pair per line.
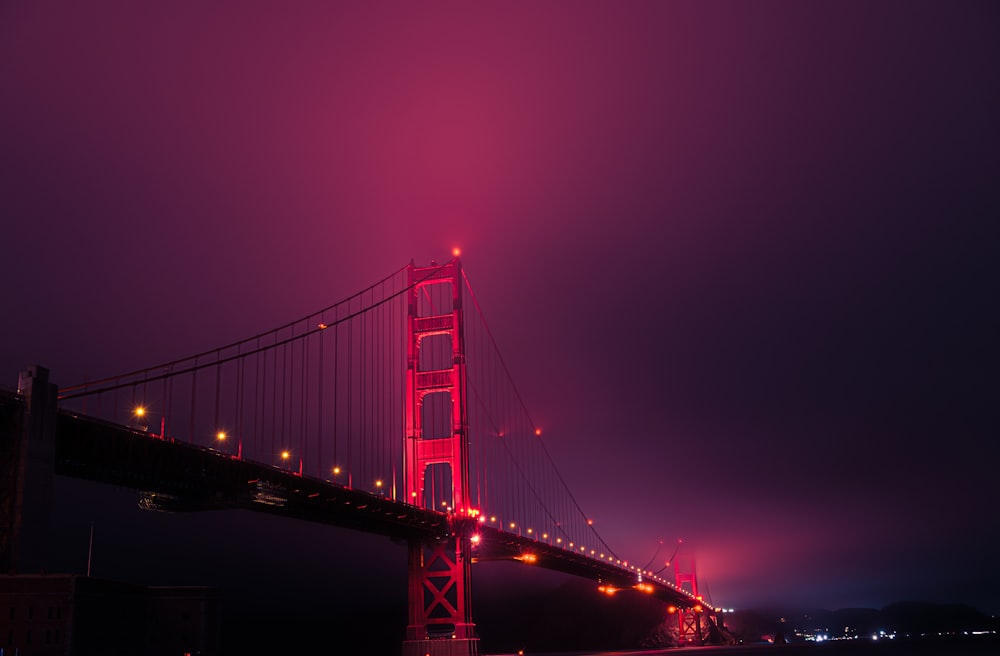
740,258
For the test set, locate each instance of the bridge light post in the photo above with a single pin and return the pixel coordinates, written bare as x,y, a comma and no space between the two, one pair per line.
286,457
139,412
337,471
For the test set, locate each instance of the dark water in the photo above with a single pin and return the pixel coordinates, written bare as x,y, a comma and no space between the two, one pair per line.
949,646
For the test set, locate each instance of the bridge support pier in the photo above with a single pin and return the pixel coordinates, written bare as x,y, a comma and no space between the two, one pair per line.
27,470
440,621
440,647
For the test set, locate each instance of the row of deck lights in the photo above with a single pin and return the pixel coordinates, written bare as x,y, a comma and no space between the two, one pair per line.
286,455
601,556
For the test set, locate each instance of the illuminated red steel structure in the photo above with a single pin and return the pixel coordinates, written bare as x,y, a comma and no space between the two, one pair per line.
440,617
689,619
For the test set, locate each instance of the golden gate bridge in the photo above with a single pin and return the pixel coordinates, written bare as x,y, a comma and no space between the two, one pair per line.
391,411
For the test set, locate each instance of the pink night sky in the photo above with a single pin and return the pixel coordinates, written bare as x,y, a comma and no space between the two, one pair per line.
739,257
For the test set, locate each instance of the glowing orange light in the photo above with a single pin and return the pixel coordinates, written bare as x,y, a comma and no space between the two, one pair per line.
475,539
697,608
336,470
322,326
671,609
140,411
378,483
456,251
285,455
221,435
538,431
590,522
512,524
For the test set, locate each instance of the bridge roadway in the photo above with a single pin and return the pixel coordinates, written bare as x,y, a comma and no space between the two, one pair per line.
179,477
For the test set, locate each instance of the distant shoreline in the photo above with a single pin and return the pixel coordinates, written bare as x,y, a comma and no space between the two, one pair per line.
959,645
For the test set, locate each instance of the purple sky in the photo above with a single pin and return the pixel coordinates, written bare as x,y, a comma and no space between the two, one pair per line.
740,258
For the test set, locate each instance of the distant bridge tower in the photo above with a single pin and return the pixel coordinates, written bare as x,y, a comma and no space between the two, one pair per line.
436,473
689,618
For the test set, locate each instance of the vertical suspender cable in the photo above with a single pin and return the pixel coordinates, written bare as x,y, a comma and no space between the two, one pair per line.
257,396
321,466
303,393
350,393
379,388
274,404
163,402
285,435
364,398
336,380
218,393
194,387
240,391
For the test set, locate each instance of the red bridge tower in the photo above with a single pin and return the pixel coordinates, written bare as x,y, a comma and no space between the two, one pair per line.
436,455
689,618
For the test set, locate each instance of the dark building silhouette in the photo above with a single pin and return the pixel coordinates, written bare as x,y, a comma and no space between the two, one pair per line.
68,614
